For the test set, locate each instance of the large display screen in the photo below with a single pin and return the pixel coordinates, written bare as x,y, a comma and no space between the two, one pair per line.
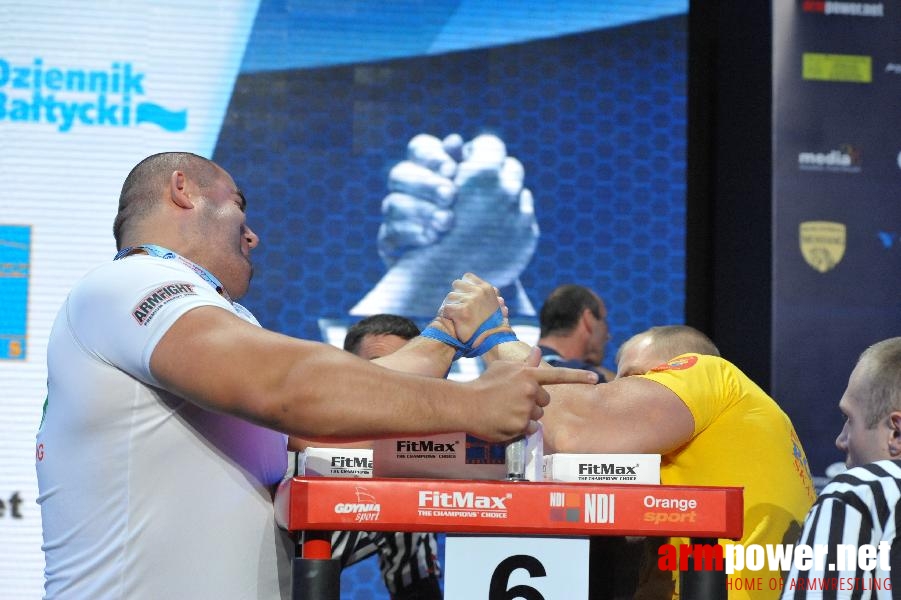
595,116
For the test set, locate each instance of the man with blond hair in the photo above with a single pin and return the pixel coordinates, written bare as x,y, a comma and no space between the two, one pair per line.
860,506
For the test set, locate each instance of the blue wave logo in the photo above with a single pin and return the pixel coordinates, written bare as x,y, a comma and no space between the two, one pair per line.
102,97
169,120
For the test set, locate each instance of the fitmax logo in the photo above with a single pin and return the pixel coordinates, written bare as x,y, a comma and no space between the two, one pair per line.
65,96
351,462
425,446
606,469
430,499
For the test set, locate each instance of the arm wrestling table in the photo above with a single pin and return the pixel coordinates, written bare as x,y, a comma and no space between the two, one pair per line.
315,506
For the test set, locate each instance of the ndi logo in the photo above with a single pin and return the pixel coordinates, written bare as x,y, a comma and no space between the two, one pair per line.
64,97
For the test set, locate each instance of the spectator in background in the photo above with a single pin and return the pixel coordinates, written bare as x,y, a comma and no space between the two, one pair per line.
574,330
574,333
860,506
379,335
408,560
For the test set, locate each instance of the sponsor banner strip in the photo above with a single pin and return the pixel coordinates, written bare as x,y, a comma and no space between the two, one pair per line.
465,506
837,67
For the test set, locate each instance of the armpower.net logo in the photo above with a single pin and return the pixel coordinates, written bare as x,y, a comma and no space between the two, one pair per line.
753,558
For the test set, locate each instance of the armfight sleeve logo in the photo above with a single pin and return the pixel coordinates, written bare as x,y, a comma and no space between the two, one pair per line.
677,364
144,310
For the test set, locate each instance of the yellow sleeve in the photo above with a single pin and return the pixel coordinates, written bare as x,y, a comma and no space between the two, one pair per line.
701,382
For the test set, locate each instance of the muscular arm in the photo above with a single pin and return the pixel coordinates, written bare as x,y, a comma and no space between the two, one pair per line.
303,388
422,356
296,444
313,390
624,416
628,415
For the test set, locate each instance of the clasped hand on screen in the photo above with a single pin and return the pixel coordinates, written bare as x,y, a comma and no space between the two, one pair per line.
452,207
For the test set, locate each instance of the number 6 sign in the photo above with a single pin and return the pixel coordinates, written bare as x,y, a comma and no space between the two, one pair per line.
511,568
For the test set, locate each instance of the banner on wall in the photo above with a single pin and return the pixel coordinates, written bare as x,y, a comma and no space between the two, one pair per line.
837,256
15,258
79,106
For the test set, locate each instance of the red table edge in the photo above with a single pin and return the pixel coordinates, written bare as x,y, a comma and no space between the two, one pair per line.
291,505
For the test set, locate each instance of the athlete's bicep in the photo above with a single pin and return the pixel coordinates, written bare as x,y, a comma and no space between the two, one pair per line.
628,415
221,362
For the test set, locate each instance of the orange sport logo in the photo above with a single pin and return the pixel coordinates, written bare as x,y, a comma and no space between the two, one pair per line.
677,364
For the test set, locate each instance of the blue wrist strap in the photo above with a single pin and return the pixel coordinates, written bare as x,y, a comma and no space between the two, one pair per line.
465,348
490,342
495,320
437,334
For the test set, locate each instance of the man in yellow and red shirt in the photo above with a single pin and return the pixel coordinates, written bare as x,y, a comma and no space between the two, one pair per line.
710,423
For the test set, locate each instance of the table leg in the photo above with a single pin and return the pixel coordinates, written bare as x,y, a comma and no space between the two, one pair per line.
315,575
704,582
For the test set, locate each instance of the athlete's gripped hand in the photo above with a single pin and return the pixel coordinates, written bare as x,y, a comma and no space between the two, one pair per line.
514,398
469,303
466,198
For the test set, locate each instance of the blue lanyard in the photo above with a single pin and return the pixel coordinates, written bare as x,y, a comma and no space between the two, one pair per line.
160,252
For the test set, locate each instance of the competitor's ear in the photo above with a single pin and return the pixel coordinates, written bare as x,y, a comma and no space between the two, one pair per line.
894,444
178,190
586,319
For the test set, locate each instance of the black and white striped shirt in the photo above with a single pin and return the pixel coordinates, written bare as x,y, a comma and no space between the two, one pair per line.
858,507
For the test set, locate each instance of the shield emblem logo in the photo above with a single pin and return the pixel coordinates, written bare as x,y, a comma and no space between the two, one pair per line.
822,243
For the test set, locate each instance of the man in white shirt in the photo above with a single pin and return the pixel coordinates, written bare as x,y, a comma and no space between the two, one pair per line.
164,430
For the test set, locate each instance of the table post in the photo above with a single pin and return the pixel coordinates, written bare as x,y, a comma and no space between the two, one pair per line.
703,582
315,575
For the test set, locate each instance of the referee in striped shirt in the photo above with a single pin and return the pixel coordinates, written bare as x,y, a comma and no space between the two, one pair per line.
408,560
860,507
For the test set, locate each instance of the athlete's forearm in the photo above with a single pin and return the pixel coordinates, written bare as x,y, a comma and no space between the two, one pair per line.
510,351
421,356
